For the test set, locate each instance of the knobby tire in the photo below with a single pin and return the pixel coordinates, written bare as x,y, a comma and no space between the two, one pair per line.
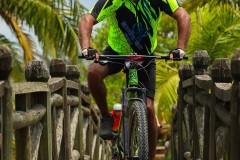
138,135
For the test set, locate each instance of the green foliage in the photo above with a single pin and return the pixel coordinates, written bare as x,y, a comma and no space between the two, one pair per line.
167,80
114,84
167,34
192,5
100,37
219,36
54,22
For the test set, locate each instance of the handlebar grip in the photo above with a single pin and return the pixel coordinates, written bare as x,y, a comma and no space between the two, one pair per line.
185,57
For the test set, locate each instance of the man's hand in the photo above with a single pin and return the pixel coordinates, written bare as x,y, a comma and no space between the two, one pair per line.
90,54
176,53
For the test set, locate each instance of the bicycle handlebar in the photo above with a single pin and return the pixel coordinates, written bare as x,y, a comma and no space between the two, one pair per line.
123,57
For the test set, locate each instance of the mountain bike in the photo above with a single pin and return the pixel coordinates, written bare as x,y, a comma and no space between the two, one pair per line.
131,141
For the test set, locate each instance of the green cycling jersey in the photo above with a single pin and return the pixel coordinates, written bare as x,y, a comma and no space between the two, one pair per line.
133,25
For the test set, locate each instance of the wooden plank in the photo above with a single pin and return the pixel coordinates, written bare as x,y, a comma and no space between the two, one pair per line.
1,88
72,100
188,98
86,101
235,122
187,83
72,84
65,152
36,137
45,149
23,119
78,146
223,91
6,122
86,111
56,100
94,114
54,131
29,87
80,135
59,130
203,81
74,124
23,136
55,84
212,125
181,104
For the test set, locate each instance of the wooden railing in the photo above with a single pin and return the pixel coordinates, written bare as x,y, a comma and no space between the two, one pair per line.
206,118
48,117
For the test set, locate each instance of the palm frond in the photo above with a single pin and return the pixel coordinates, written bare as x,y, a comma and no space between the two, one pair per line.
166,88
23,38
54,23
219,36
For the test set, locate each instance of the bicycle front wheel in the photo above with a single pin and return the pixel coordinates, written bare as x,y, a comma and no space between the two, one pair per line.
138,135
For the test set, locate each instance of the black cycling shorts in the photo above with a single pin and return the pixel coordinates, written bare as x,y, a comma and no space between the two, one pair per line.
147,77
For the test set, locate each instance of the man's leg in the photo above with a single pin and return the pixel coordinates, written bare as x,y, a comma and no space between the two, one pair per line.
152,129
96,74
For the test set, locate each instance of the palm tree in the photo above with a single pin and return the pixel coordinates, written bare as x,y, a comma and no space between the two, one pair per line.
55,23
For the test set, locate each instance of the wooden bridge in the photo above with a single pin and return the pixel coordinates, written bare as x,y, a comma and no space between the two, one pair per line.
206,118
50,116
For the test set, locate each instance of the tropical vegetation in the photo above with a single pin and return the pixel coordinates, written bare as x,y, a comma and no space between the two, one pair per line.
54,22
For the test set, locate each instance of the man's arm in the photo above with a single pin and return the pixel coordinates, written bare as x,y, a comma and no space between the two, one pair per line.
184,27
85,30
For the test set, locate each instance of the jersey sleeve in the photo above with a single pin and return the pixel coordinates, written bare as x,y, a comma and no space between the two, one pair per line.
104,8
169,6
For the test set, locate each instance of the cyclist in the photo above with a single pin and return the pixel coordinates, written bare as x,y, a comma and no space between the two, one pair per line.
133,28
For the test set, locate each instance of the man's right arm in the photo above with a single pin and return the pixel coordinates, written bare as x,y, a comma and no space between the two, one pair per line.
85,30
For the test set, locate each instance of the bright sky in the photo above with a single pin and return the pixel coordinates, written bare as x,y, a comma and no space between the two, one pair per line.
88,3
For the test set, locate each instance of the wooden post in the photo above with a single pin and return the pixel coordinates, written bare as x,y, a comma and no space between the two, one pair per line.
84,93
200,63
57,69
185,72
73,74
235,104
36,71
6,104
220,73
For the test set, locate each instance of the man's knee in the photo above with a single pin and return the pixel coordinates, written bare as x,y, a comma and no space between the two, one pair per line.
97,71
